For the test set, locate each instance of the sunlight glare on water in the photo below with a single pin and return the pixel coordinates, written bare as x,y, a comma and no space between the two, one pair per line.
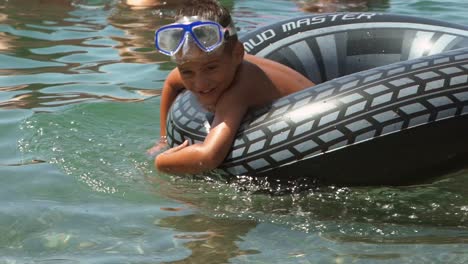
79,105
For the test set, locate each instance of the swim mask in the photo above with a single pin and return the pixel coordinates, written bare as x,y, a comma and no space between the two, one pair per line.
190,33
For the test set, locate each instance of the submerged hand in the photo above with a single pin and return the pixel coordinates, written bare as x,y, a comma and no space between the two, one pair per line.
158,147
175,149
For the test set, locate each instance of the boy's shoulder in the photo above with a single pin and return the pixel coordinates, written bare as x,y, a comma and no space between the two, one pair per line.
250,74
251,86
285,79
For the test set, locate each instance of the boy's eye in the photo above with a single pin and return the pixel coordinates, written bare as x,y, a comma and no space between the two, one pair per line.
185,72
212,67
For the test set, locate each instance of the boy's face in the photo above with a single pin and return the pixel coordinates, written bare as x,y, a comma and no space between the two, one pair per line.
208,76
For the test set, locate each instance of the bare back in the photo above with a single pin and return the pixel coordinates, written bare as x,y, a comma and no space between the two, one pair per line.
261,81
285,79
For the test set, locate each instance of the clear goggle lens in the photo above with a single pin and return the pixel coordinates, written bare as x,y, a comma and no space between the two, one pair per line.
208,36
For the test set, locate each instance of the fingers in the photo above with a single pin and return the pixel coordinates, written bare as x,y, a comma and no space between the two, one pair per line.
181,146
177,148
155,149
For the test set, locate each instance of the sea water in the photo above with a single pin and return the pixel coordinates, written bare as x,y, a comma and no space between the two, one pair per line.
79,105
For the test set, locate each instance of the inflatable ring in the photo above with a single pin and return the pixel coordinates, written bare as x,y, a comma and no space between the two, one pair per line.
390,107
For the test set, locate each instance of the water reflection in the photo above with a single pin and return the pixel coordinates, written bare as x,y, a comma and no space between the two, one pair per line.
396,218
360,213
138,20
39,100
211,240
326,6
5,39
62,52
65,52
144,4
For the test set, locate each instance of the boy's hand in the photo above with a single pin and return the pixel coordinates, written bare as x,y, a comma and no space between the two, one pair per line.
175,149
158,147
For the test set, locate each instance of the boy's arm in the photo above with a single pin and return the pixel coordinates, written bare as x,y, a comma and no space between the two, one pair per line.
210,154
172,87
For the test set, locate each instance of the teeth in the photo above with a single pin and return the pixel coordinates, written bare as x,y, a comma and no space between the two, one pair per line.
206,91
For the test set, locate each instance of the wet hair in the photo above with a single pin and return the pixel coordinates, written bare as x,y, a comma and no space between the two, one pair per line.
207,9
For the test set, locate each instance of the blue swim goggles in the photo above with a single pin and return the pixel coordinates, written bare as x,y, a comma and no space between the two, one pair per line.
208,36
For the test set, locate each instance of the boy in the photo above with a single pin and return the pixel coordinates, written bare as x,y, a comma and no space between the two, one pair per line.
212,65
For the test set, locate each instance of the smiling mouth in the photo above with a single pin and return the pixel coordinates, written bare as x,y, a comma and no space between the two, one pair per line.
206,91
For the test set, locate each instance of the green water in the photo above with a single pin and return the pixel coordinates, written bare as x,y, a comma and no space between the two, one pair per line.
78,110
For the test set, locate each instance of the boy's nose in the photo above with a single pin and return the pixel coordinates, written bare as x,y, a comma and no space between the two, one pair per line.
200,84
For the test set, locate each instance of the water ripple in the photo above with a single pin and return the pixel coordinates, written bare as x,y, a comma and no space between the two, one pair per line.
76,186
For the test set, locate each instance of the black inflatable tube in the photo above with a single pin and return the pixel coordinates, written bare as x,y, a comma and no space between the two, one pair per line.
390,107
